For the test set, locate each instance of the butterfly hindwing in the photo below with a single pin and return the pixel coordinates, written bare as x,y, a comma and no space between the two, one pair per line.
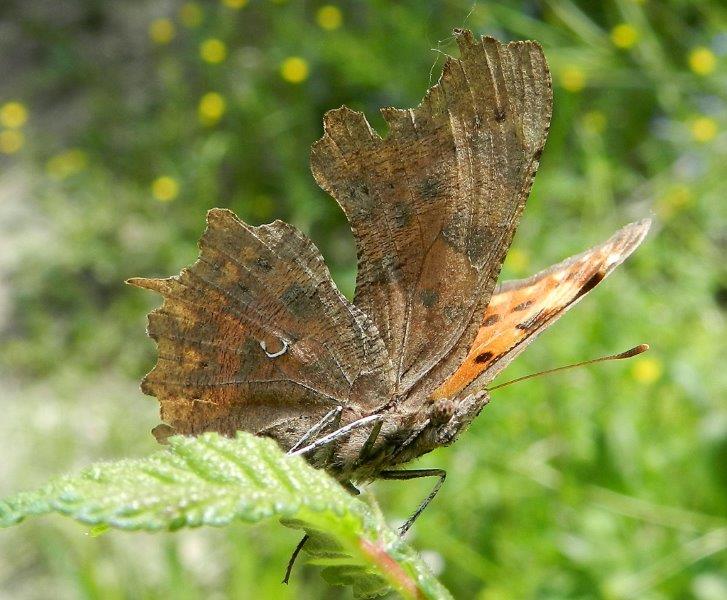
433,206
520,310
255,335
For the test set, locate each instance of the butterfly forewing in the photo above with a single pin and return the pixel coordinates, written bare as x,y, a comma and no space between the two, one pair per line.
434,205
520,310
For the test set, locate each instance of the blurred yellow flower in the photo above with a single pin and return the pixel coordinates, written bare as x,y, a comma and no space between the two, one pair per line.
647,370
594,121
211,108
675,199
624,35
573,79
165,188
11,140
191,14
161,31
213,51
329,17
702,60
294,69
13,114
704,129
66,163
236,4
517,260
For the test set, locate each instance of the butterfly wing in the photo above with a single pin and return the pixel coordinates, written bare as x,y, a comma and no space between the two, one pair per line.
520,310
434,205
255,336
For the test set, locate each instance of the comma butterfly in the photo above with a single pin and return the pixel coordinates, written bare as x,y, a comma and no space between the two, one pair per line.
255,335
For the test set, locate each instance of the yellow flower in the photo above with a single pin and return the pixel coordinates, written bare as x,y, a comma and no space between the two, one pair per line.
236,4
165,188
11,140
702,60
573,79
647,370
594,121
161,31
517,260
211,108
13,115
213,51
329,17
294,69
67,163
704,129
624,35
191,14
678,197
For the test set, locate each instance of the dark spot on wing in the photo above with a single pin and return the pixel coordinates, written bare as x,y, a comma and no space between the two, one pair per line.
243,294
360,206
402,214
263,264
523,305
387,269
429,298
296,300
431,188
478,244
594,280
500,114
483,358
491,320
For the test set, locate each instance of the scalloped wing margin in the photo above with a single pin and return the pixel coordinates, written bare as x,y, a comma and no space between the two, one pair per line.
434,205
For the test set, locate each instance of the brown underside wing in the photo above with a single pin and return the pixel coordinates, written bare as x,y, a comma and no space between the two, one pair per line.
255,292
434,205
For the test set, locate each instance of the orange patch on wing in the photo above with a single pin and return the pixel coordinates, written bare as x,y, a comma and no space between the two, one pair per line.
511,317
522,309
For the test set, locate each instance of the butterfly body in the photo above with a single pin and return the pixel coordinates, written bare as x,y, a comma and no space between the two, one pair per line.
256,336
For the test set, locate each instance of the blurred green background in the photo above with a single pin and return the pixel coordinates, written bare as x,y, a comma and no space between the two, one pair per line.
121,123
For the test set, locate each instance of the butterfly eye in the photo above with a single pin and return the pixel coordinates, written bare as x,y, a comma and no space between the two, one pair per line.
441,411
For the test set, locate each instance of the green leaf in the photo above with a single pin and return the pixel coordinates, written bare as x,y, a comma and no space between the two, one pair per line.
212,480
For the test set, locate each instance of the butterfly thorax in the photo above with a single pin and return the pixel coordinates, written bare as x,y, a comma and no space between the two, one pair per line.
405,434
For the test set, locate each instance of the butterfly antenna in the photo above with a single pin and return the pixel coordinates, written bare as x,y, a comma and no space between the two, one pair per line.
621,355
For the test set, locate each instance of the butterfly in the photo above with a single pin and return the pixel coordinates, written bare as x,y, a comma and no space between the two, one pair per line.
255,335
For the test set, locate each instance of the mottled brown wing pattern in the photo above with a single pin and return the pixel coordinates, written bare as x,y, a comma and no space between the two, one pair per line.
434,205
520,310
255,336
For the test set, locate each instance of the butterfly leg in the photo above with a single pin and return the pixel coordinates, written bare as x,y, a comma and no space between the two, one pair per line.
337,434
293,558
350,488
369,443
331,418
415,474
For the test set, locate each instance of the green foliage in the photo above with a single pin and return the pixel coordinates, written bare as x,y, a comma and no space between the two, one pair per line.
212,480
